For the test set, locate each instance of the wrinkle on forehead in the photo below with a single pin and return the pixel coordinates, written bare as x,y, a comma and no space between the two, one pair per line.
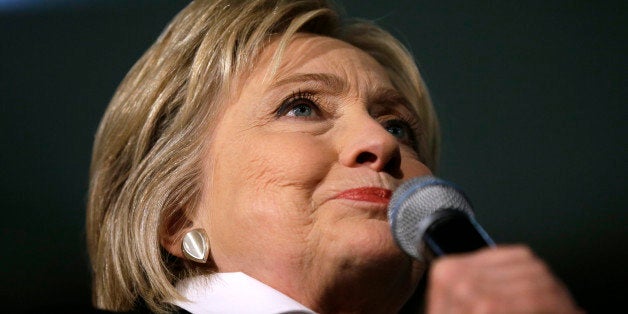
339,67
306,54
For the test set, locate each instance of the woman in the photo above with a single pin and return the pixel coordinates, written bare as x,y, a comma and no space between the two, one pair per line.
245,165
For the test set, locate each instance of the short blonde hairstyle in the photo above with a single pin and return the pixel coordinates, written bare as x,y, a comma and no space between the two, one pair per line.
145,169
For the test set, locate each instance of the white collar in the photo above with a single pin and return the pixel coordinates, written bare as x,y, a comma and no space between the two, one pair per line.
234,293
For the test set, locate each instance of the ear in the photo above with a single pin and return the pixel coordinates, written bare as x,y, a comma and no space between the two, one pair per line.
172,232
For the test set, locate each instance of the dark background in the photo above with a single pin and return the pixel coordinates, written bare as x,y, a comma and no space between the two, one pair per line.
531,96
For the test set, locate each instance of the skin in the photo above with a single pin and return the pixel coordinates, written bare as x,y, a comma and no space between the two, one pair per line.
275,205
507,279
271,208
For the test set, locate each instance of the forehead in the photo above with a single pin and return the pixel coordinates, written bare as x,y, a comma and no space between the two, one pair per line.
307,53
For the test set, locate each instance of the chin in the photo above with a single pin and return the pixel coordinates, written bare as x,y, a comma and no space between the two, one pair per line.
368,258
370,243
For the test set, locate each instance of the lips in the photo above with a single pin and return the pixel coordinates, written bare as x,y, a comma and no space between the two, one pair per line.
367,194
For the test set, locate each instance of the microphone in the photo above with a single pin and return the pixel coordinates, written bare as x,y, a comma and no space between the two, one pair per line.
431,217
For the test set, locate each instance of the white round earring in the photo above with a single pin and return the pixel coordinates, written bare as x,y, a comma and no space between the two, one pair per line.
195,246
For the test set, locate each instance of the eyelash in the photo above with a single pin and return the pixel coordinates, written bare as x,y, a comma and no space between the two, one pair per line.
410,126
295,99
409,123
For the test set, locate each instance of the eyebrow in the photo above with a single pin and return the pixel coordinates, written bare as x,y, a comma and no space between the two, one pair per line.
334,83
389,96
382,96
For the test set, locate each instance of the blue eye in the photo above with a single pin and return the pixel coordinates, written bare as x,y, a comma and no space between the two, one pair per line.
301,110
299,105
401,130
396,131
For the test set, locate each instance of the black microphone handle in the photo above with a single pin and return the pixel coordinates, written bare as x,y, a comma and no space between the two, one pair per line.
452,231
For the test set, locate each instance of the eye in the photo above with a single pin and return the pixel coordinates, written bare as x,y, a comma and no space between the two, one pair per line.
299,105
401,130
301,110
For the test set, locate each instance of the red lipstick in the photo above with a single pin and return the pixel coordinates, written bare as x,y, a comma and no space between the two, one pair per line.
369,194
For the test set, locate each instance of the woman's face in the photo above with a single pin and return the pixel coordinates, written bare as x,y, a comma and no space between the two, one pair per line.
300,169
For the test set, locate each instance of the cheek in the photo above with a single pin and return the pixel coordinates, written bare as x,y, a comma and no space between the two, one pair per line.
264,180
411,167
274,162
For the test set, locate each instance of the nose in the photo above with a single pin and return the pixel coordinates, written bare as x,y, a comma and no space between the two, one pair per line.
368,144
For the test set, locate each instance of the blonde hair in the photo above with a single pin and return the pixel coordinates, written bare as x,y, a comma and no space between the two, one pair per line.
144,175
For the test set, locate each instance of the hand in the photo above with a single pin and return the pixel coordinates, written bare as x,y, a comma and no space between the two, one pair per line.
505,279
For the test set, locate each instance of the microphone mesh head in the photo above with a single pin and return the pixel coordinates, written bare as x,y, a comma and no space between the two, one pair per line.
417,199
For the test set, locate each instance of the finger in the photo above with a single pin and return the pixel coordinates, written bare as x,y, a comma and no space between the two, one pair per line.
500,279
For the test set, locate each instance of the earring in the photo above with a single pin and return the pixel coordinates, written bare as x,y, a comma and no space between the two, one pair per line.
195,246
